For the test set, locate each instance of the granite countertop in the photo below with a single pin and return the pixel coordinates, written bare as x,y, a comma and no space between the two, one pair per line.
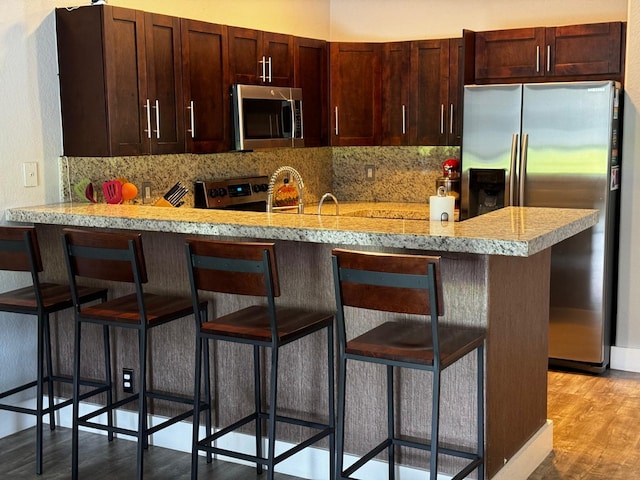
511,231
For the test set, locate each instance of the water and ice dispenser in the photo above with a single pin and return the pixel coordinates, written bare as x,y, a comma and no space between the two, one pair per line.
486,190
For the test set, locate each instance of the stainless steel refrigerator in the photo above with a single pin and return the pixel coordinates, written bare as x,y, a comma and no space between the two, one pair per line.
554,145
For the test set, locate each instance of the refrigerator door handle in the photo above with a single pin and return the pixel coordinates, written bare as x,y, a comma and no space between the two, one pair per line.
512,169
523,168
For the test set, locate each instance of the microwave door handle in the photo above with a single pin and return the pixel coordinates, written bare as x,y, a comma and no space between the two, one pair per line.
523,168
512,169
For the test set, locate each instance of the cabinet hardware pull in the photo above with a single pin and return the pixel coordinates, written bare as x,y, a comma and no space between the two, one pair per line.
537,58
192,117
336,129
157,107
404,119
548,58
148,108
270,78
451,119
263,62
441,118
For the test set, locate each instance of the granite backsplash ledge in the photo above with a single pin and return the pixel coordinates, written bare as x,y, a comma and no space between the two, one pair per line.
402,174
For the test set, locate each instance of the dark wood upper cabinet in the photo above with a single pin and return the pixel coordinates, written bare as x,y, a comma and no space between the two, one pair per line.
120,82
205,82
396,86
574,52
585,49
312,75
258,58
355,93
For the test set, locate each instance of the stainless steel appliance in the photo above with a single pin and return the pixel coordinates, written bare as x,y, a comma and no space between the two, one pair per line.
554,145
267,117
244,193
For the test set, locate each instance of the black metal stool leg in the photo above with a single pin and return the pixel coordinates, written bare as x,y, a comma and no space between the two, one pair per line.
257,395
108,378
331,400
207,395
76,401
273,398
390,423
39,381
480,400
142,402
50,389
435,425
196,407
342,373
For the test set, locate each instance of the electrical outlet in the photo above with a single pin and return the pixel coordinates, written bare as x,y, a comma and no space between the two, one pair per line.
370,172
127,380
146,192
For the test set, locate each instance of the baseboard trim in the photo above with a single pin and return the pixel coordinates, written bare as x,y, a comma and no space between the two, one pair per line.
311,463
532,454
627,359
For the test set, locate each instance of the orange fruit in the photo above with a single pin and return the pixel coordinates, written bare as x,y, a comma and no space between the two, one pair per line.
129,191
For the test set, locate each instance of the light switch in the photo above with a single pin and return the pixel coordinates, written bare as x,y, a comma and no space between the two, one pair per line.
30,174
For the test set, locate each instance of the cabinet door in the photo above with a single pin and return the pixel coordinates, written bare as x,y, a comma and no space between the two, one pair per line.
355,93
430,87
395,93
244,50
277,49
504,54
205,83
456,91
126,81
164,78
310,74
584,49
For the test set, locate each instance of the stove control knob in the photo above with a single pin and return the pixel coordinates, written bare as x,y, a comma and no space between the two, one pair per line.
255,187
222,192
264,187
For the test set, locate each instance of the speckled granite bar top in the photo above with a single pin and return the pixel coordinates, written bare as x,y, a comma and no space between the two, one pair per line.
511,231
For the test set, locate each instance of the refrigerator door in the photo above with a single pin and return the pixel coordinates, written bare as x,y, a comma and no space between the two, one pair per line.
491,118
569,128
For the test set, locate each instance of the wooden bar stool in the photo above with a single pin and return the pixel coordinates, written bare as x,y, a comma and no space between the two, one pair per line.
403,284
20,252
118,257
250,269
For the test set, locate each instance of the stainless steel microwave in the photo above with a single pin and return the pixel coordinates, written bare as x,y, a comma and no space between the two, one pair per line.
267,117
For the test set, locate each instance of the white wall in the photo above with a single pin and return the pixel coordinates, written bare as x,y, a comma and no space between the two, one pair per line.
387,20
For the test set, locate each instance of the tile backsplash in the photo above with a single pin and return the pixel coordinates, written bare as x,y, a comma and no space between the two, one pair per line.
401,174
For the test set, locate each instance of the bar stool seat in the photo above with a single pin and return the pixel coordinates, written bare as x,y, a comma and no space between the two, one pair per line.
249,268
20,252
410,286
118,257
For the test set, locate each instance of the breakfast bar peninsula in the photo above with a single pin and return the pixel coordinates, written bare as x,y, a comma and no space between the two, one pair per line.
495,271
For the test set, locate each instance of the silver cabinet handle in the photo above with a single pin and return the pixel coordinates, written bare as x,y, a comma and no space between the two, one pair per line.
537,58
512,169
262,62
336,113
192,118
523,167
451,119
157,107
148,108
404,119
270,78
548,58
441,118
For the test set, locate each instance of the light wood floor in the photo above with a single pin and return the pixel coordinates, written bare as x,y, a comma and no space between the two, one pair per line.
596,436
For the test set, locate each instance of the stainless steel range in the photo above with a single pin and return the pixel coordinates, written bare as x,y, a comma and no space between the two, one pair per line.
244,193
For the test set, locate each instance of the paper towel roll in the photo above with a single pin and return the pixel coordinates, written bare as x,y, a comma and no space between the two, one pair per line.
439,206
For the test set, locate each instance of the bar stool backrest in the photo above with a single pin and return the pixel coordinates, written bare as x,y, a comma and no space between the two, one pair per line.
19,250
389,282
241,268
105,256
